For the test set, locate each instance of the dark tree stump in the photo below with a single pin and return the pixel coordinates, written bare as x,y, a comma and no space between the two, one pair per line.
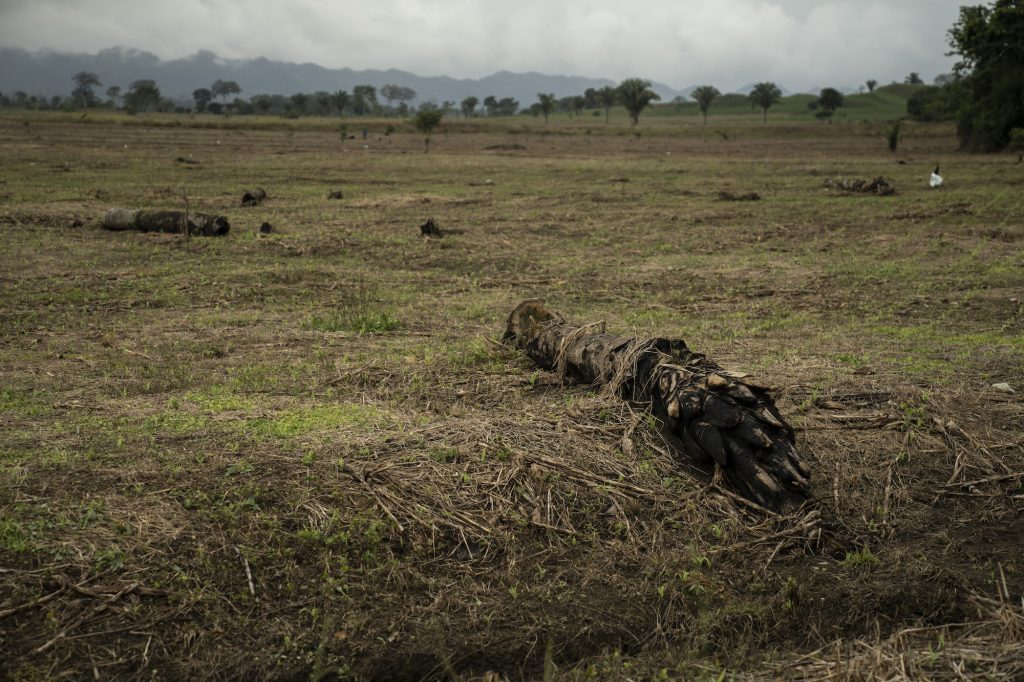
709,414
430,229
253,197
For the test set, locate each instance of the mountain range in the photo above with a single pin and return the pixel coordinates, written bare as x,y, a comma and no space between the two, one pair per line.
49,73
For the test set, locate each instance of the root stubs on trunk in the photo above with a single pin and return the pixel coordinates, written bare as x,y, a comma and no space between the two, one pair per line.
165,221
708,413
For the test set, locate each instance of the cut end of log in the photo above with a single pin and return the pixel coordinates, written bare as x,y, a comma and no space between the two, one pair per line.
525,320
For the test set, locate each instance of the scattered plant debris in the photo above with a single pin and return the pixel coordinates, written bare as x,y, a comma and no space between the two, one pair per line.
879,186
729,196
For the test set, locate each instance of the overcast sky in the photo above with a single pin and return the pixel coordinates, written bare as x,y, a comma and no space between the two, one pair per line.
727,43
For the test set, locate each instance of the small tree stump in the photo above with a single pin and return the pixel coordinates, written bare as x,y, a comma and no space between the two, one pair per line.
254,197
430,229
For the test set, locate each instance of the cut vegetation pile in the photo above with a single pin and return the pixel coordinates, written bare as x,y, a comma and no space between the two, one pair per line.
306,454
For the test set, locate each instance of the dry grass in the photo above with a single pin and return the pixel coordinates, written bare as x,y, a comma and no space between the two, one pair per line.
305,455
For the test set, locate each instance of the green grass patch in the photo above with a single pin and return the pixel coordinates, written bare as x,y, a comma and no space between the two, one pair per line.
313,419
360,322
859,559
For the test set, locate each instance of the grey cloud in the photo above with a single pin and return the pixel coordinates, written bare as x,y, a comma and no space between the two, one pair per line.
799,43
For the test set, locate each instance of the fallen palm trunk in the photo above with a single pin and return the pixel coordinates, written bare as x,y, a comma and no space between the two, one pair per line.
712,415
879,186
165,221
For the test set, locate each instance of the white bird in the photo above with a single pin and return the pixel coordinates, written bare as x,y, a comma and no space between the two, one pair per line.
936,179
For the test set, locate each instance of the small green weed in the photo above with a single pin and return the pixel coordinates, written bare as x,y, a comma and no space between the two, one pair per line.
858,559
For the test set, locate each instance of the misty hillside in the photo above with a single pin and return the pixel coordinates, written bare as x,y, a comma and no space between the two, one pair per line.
49,73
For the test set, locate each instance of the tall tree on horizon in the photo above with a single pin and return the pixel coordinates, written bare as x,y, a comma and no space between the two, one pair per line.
114,93
468,106
85,81
223,89
704,95
342,100
364,100
202,97
829,100
143,95
546,104
636,95
764,95
607,97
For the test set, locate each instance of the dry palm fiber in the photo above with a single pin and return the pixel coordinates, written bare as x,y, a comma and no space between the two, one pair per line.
709,414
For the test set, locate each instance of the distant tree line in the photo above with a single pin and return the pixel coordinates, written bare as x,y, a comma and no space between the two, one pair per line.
633,94
984,94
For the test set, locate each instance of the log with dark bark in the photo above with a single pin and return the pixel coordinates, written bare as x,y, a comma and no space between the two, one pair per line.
165,221
707,413
725,195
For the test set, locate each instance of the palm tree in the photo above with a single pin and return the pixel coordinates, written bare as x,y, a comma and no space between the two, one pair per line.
636,94
546,104
704,95
764,95
608,97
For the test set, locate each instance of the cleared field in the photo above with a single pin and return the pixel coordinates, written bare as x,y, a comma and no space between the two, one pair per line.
304,455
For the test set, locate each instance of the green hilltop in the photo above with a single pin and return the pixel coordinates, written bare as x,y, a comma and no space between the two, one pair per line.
887,102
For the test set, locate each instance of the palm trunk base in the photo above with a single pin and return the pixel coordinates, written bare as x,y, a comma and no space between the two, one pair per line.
709,414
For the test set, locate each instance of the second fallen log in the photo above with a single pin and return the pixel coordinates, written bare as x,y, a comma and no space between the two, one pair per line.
166,221
710,414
